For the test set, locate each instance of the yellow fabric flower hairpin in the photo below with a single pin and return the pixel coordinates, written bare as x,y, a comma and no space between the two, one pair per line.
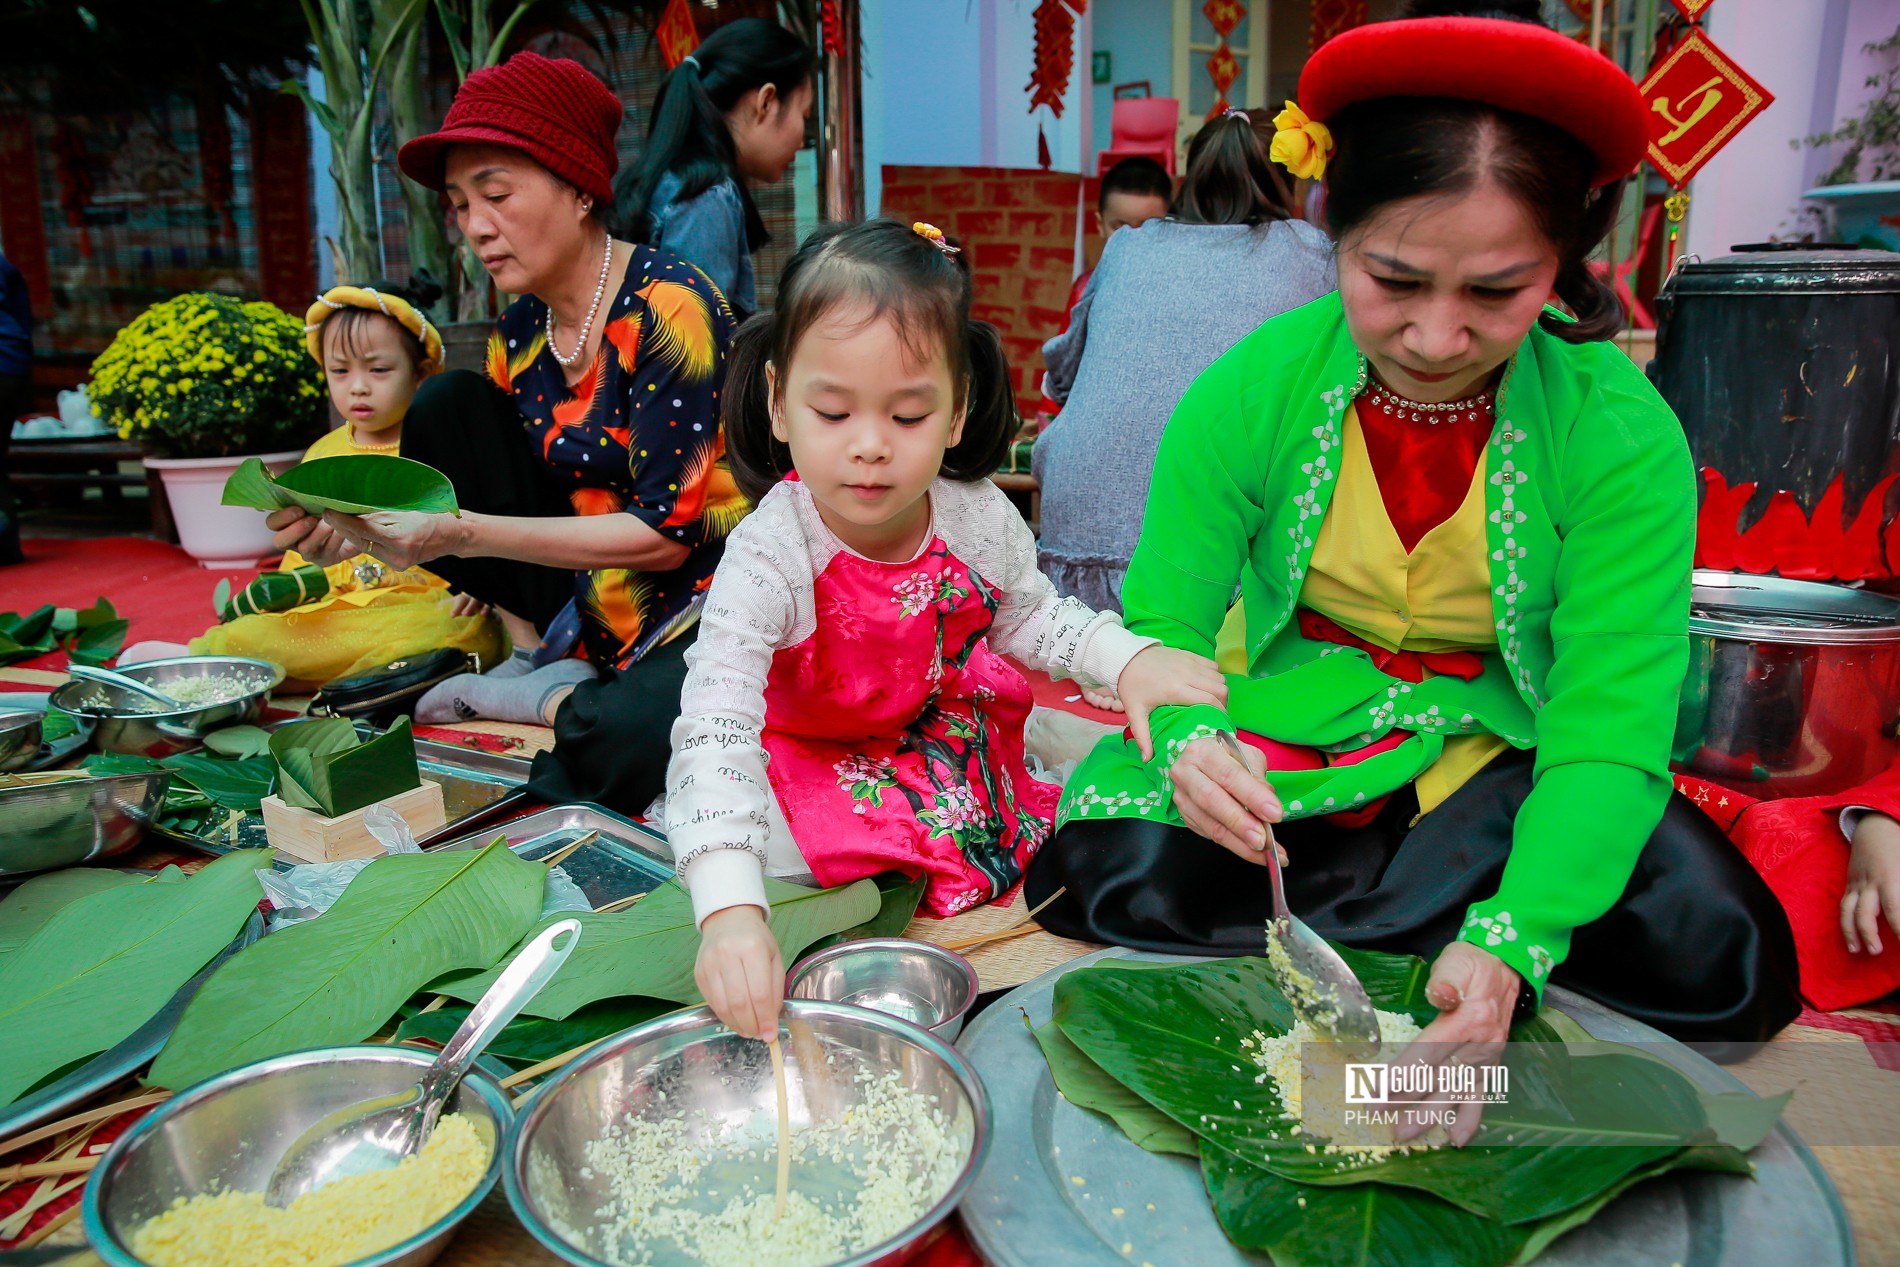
1301,145
933,235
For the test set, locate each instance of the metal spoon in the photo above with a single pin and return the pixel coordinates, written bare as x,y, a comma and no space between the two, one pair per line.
106,677
377,1134
1324,992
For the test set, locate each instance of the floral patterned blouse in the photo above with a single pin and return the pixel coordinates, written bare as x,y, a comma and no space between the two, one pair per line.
638,435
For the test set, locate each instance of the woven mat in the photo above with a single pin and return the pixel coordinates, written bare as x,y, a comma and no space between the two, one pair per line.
1005,963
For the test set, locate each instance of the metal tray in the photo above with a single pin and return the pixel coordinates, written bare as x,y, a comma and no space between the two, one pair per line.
56,1099
474,784
50,754
626,858
1023,1211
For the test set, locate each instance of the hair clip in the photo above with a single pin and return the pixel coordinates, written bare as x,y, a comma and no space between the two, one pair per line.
1234,112
933,235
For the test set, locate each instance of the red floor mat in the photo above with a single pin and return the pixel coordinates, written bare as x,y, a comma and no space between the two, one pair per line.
156,586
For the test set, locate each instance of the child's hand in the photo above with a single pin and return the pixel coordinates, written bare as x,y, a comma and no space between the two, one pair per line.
467,605
740,970
1873,883
1161,675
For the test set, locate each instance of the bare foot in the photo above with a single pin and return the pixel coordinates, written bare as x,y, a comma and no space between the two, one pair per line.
1102,698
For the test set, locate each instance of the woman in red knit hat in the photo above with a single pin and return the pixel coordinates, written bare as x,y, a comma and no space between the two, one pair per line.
588,460
1460,526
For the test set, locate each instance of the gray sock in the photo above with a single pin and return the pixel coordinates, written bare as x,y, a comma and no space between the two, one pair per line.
522,698
517,665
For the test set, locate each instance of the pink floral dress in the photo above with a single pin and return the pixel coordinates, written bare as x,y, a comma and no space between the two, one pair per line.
886,726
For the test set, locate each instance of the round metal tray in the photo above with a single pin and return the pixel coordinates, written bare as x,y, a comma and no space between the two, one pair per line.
1025,1210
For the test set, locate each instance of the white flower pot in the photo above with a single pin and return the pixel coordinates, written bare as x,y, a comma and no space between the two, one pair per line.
216,535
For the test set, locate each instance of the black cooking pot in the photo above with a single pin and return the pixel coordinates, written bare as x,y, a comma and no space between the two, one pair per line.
1784,367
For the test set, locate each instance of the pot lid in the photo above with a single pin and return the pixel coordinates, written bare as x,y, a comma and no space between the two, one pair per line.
1747,608
1755,272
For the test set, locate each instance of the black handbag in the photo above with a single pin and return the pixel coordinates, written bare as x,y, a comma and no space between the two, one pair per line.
380,695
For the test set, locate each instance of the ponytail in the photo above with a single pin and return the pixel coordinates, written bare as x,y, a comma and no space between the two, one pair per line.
989,409
687,133
757,458
1231,177
1598,311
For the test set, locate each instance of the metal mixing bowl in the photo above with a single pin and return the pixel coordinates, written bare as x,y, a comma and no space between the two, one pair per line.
689,1067
1793,687
75,821
229,1131
20,735
121,728
915,980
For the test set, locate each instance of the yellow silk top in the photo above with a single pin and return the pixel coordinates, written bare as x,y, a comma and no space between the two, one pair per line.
1435,598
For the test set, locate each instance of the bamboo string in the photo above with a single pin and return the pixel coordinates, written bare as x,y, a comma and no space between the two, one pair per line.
1022,926
619,904
567,850
53,1225
65,1124
40,1169
48,1192
514,1080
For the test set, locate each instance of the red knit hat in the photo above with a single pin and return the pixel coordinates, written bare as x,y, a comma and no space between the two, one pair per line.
1516,66
552,110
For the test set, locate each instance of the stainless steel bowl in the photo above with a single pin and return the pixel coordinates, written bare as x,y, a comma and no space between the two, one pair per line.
121,728
1793,687
915,981
229,1131
691,1068
20,735
75,821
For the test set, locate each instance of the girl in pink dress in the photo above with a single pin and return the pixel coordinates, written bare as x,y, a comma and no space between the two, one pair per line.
847,710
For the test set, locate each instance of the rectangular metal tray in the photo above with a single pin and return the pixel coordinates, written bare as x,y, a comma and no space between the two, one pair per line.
474,783
626,858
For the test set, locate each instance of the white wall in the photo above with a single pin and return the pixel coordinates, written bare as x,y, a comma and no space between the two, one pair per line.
943,86
1808,53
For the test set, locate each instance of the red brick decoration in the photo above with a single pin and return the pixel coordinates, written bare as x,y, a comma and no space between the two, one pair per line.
1018,227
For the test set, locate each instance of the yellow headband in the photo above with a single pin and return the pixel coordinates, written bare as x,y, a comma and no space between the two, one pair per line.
396,308
1301,145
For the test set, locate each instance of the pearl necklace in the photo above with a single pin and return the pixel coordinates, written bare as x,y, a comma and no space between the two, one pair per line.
1399,407
587,327
372,448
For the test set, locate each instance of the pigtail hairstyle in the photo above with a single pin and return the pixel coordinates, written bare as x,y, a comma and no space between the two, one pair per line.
885,268
989,409
1393,148
1231,177
687,133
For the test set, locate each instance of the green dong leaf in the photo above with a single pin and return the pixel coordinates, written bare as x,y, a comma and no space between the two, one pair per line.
325,766
25,909
1172,1036
105,963
528,1040
358,484
1083,1083
649,949
405,919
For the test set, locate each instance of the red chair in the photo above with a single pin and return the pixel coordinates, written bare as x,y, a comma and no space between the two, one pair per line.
1639,312
1141,126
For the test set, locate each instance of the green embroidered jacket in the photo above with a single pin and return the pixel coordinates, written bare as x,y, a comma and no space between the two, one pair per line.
1591,503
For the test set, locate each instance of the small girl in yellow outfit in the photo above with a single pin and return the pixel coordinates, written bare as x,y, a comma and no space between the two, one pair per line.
376,347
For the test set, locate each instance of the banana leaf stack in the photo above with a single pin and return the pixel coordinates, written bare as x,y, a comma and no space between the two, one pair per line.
1159,1051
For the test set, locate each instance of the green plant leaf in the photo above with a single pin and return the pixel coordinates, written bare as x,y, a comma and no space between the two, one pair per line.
325,766
1368,1225
528,1040
1087,1085
358,484
198,780
33,903
649,949
405,919
96,644
898,897
1172,1036
34,627
239,742
105,963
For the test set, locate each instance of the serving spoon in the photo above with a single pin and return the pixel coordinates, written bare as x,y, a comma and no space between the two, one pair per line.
1323,990
377,1134
119,681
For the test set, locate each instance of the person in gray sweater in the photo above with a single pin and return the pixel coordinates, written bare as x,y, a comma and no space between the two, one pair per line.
1168,298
